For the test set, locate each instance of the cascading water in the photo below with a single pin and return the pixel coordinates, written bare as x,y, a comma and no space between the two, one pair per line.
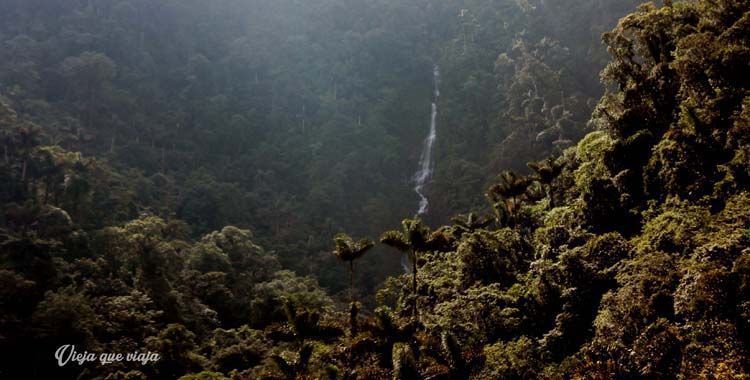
424,173
425,160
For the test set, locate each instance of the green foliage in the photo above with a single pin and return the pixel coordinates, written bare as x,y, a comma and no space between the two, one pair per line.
237,348
511,360
65,316
293,369
703,293
177,350
349,250
675,229
404,364
414,239
205,375
591,152
304,292
491,257
713,349
498,308
626,256
508,196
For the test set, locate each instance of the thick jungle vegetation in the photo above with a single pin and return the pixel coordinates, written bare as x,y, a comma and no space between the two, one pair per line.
228,184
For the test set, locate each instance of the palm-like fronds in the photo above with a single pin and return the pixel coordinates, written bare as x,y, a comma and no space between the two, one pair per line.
305,353
396,240
535,192
303,322
292,369
444,239
284,366
404,363
414,236
416,233
412,239
511,185
506,196
451,350
346,249
385,323
546,171
471,222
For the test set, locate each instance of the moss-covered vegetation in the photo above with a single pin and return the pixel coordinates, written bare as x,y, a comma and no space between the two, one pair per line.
626,255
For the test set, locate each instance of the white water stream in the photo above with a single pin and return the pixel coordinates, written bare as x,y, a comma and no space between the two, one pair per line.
424,174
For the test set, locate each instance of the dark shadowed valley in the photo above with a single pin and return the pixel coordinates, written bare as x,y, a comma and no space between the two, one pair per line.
374,189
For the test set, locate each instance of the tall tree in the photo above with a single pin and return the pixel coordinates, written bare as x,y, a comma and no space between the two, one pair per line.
413,239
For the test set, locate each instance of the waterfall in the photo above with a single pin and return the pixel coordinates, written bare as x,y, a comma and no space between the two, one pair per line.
424,173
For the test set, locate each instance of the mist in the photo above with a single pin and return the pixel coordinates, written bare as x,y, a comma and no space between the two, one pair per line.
352,189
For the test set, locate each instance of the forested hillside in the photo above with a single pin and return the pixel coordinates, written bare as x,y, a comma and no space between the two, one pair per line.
298,120
179,177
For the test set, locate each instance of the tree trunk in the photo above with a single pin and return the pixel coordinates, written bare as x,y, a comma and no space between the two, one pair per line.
47,186
32,190
414,286
549,195
353,312
351,280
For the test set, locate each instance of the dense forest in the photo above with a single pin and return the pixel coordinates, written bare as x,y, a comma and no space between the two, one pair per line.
229,185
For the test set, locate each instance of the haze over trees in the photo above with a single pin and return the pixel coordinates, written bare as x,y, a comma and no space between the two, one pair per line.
183,177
